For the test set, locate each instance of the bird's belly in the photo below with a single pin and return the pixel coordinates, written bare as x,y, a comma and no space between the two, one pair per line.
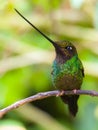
68,82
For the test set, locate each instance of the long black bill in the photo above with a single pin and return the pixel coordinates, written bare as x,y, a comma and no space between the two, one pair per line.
35,27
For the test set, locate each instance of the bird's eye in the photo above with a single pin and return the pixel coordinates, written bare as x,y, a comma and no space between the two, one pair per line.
68,48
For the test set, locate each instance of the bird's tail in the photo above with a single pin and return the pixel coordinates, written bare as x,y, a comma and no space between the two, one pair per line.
72,103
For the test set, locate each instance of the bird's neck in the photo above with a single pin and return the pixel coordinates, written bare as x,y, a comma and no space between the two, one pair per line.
62,59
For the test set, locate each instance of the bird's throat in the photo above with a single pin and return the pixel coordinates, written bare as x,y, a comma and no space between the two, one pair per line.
61,58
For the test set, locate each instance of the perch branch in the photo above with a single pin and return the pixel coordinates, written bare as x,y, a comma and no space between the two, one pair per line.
43,95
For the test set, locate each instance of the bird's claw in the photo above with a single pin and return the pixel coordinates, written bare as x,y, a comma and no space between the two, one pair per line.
61,93
74,91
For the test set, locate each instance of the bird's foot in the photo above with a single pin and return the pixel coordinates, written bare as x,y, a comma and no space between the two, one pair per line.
61,93
75,90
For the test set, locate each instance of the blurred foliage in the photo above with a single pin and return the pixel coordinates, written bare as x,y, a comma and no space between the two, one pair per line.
26,58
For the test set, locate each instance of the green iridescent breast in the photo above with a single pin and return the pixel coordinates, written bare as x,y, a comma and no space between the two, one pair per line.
69,74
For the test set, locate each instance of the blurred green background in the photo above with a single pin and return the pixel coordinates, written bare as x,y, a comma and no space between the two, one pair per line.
26,58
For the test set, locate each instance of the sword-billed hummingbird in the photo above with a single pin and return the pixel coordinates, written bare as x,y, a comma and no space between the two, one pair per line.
67,71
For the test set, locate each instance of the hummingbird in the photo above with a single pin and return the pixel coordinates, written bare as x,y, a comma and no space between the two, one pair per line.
68,71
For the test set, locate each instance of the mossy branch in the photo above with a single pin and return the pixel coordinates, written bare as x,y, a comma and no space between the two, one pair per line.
43,95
